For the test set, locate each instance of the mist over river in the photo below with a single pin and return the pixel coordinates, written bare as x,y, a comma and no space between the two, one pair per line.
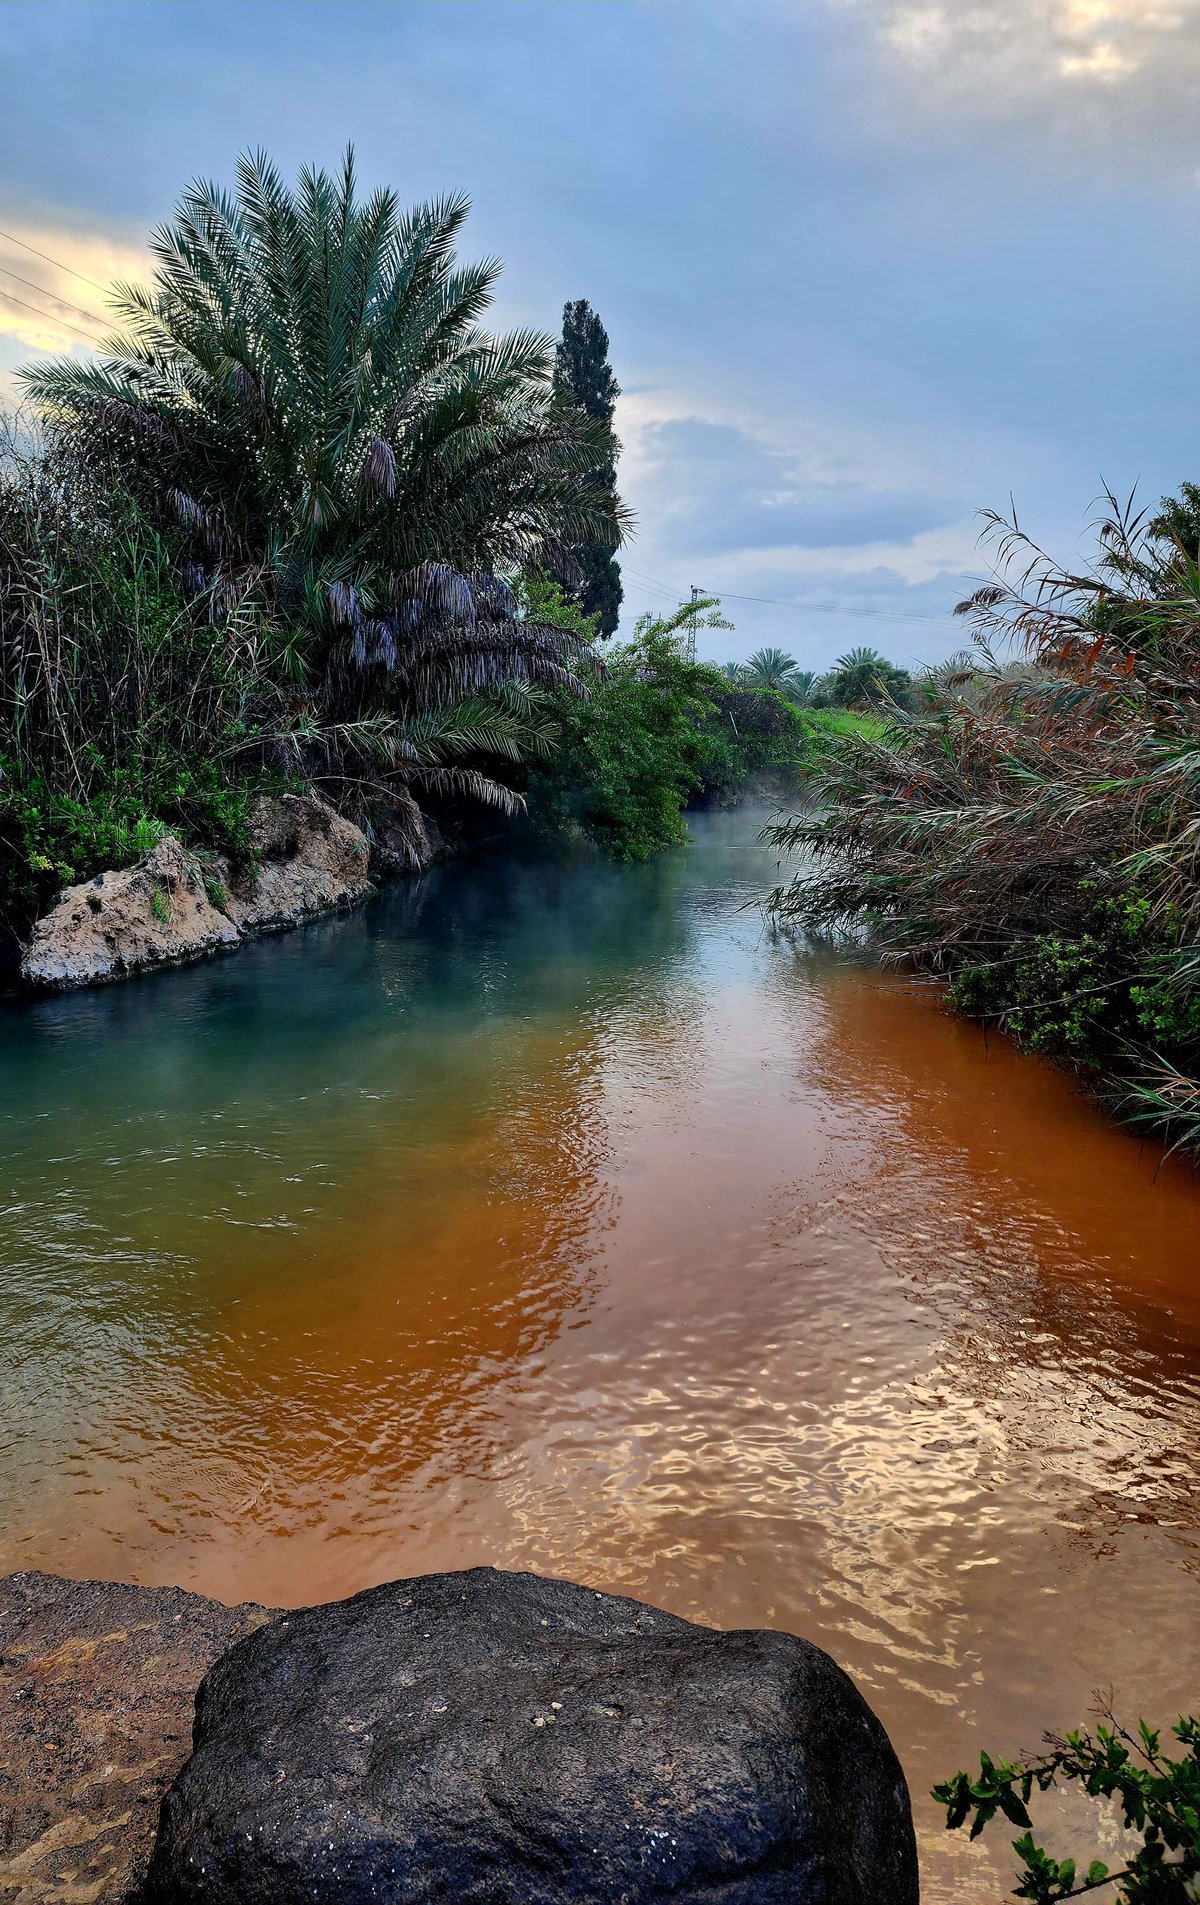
557,1217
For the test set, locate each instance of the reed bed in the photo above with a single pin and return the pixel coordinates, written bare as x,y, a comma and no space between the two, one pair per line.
1028,832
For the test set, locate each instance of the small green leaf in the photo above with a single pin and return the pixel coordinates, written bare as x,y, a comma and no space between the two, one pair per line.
1012,1807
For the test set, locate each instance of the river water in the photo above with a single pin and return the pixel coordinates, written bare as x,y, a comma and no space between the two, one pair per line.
556,1217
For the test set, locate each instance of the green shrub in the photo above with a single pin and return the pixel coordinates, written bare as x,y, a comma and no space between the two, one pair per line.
1076,996
658,732
1158,1797
629,758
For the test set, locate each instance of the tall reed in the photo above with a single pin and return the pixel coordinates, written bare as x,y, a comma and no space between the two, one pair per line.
1029,831
126,703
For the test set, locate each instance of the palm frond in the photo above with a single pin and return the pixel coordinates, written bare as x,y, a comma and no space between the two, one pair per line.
306,398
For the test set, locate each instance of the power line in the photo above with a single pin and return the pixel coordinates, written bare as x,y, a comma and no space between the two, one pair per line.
630,570
771,601
48,317
832,608
103,289
660,587
47,293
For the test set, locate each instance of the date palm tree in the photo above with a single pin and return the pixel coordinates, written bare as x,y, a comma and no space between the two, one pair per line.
799,687
305,395
775,670
768,668
863,676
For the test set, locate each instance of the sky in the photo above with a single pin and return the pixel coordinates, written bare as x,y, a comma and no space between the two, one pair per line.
868,267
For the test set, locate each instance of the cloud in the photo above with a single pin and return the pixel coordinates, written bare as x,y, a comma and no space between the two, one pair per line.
51,284
717,488
812,547
1112,66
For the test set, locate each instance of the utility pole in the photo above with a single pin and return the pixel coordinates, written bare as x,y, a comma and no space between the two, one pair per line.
691,634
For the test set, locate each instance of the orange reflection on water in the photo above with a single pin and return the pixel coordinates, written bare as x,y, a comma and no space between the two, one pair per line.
754,1286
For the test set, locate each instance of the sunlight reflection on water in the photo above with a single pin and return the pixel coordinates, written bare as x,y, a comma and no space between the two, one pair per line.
557,1217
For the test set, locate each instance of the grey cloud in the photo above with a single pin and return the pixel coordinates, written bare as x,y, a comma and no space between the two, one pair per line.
715,488
1108,73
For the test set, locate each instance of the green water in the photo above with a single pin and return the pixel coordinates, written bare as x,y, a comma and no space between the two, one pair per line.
557,1216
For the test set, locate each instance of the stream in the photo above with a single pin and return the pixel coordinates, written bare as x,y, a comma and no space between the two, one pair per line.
556,1216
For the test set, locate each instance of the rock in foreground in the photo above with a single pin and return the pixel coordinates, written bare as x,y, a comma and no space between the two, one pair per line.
97,1687
498,1739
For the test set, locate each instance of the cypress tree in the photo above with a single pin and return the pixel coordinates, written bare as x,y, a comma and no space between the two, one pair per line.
583,374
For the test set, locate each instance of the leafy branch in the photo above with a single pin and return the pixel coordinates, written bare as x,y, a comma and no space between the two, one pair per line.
1159,1798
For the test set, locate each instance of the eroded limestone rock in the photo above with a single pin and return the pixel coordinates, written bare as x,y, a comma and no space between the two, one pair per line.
156,913
168,909
308,861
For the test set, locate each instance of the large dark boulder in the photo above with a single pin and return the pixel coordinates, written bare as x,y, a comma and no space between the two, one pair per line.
499,1739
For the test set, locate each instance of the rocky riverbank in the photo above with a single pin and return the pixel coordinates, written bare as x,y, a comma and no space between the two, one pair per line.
97,1690
478,1736
304,860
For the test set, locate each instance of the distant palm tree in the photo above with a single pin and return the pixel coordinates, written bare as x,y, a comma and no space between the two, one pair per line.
304,393
799,686
863,676
774,671
771,668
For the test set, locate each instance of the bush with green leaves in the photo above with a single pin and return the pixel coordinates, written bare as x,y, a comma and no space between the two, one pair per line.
1106,982
630,757
658,732
1157,1795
